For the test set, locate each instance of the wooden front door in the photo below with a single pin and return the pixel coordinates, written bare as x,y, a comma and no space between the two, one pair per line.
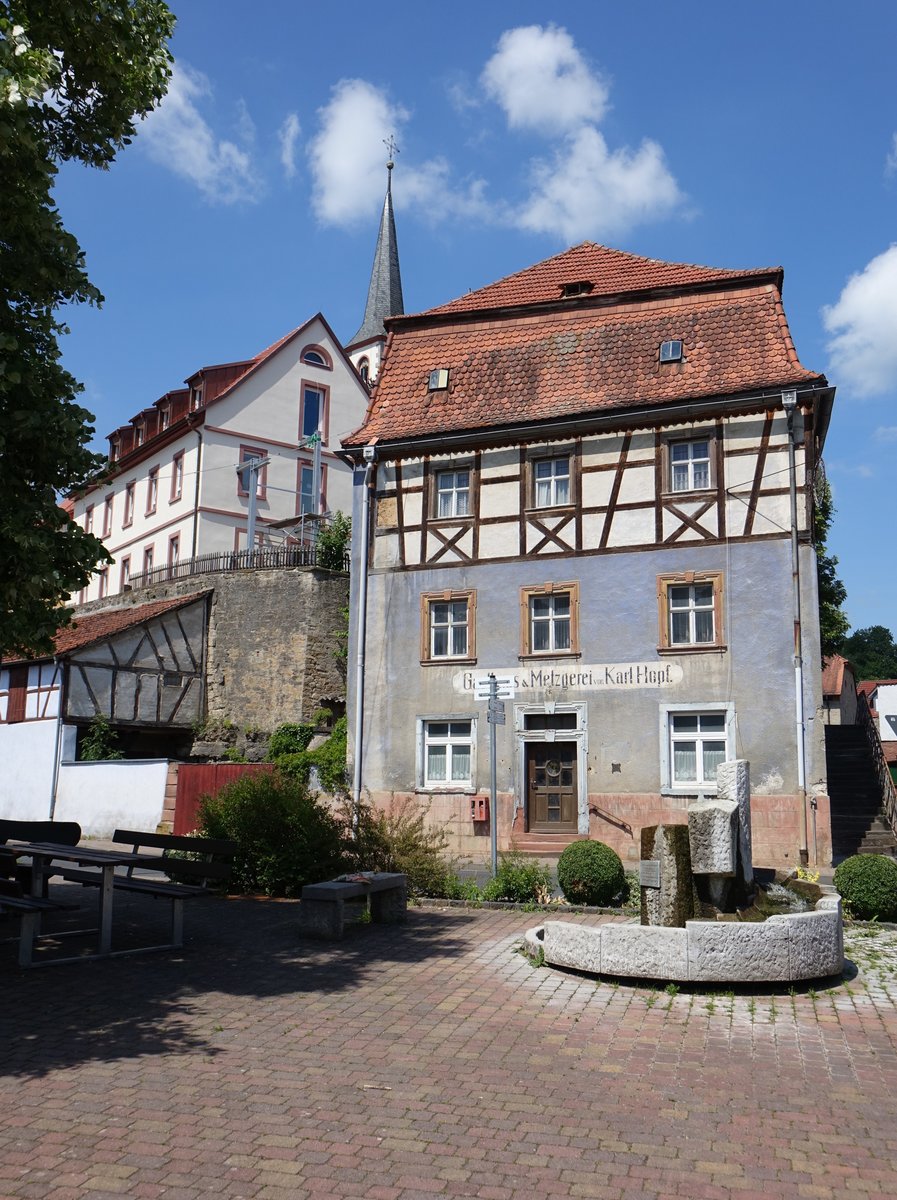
551,786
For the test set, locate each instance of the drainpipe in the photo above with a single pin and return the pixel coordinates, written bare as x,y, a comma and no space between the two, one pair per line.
789,403
196,491
57,748
370,455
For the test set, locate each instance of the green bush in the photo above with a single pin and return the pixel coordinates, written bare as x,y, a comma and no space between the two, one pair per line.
400,839
285,837
519,878
868,886
590,873
330,759
289,739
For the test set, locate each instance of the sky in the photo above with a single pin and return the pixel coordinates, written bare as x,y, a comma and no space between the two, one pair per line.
729,135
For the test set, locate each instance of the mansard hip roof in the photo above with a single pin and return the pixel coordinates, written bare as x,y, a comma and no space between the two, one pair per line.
549,362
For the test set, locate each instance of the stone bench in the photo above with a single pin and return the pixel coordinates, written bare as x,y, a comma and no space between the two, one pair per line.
322,911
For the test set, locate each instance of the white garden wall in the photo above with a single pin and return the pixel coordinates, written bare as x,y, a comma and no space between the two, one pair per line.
105,796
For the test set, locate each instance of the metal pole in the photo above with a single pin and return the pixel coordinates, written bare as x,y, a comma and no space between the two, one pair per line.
789,402
316,481
252,467
493,805
360,635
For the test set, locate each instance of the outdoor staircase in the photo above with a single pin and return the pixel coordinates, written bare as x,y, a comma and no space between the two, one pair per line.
859,821
545,845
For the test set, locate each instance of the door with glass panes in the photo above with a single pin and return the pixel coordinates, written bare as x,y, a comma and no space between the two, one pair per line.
551,787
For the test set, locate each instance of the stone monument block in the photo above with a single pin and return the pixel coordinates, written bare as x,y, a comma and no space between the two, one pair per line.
733,782
673,903
713,836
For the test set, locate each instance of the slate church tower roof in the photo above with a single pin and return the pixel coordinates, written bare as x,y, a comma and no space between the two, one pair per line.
385,290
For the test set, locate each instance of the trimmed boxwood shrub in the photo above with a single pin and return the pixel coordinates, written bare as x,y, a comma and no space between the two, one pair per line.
590,873
868,886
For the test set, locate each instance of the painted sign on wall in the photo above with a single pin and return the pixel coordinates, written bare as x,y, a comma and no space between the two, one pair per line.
591,677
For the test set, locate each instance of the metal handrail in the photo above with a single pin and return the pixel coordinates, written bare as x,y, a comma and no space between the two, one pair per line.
886,782
262,558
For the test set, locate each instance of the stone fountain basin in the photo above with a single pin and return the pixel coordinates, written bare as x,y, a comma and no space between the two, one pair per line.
782,949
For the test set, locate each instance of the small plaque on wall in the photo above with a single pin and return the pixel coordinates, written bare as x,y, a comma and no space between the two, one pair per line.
649,873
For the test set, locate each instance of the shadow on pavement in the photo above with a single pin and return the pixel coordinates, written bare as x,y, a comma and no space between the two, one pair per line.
57,1016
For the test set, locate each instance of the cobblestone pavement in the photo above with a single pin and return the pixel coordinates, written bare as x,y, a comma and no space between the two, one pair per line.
433,1060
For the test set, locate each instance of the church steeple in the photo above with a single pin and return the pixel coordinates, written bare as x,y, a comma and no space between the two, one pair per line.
385,289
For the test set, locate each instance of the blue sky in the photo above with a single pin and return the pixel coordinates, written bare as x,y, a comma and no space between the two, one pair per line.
731,135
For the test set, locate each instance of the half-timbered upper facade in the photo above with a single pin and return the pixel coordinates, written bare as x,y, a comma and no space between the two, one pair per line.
176,487
579,480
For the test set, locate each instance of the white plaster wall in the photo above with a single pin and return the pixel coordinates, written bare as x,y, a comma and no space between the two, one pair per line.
886,707
26,781
105,796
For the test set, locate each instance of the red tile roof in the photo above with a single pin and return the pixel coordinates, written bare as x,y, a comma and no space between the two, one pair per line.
833,674
611,272
94,627
559,362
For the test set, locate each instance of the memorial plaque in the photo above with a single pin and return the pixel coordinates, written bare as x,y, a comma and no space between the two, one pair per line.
649,873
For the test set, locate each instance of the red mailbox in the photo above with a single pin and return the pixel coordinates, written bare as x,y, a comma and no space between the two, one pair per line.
479,808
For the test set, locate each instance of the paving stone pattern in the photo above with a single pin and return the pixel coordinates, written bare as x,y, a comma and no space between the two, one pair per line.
428,1060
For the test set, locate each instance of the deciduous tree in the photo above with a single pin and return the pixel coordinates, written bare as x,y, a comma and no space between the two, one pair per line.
74,77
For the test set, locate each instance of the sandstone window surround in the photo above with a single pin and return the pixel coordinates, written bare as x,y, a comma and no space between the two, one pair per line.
107,516
247,454
448,627
130,493
446,754
690,612
152,491
549,620
694,739
177,477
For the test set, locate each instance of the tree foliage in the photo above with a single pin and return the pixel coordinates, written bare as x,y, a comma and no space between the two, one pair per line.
833,622
73,79
873,653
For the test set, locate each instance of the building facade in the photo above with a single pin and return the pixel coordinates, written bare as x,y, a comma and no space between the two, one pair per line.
173,490
577,479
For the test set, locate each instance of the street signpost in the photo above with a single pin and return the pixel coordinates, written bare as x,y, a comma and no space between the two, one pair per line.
495,690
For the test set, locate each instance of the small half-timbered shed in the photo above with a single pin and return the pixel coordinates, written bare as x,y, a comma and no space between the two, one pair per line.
578,478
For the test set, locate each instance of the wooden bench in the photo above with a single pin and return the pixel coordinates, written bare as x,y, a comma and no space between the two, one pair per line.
13,900
322,910
204,861
58,833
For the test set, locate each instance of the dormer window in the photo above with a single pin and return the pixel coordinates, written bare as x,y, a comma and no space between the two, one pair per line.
581,287
164,418
195,398
113,450
139,435
671,351
439,380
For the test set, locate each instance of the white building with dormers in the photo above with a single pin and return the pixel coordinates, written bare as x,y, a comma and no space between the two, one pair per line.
172,490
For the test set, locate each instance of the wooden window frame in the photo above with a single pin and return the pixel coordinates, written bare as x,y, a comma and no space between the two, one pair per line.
324,418
177,477
570,587
447,597
246,453
532,504
16,691
709,435
152,491
456,786
108,506
127,519
682,579
451,469
689,787
314,348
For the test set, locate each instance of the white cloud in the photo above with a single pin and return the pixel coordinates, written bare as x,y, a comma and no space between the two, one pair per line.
589,191
863,350
348,158
542,82
891,160
178,137
886,433
289,135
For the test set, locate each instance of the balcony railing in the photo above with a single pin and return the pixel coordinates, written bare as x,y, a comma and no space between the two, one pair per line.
263,558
